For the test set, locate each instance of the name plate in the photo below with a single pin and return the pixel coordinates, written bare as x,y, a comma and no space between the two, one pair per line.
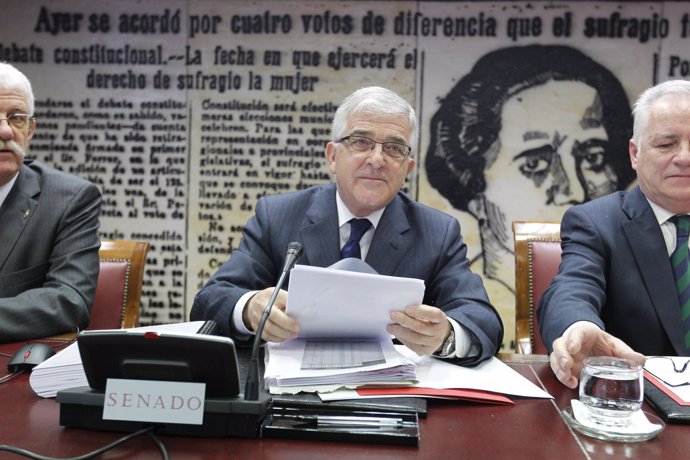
154,401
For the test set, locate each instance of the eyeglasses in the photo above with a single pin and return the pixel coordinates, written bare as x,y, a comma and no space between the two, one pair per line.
19,121
681,370
361,144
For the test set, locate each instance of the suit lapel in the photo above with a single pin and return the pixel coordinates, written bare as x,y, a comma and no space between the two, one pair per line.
319,232
392,239
17,210
645,238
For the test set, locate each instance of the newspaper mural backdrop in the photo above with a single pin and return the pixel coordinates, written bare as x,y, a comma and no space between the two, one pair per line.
186,112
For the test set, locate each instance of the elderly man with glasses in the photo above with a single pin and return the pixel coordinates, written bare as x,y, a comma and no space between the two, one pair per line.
364,215
48,229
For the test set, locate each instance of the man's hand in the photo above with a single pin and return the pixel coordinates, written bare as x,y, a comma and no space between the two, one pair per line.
580,342
421,328
279,326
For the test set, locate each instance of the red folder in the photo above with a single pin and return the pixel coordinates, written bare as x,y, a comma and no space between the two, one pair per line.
447,393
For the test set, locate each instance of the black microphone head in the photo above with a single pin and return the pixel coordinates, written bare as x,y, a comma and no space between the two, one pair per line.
296,249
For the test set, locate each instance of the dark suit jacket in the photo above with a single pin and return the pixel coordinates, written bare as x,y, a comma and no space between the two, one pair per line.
48,253
411,240
615,272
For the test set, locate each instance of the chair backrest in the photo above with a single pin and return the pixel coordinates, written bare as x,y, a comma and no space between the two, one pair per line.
117,303
537,258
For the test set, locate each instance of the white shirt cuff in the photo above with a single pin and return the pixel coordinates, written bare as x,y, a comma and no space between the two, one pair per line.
238,324
575,324
463,342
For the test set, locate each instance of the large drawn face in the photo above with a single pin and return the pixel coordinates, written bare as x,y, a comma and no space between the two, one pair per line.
13,141
550,153
662,160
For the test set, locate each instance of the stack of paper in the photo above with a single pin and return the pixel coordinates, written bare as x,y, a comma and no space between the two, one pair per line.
311,365
437,378
61,371
64,369
339,309
343,312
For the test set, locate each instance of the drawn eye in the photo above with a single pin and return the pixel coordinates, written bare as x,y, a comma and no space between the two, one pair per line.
536,162
591,155
534,166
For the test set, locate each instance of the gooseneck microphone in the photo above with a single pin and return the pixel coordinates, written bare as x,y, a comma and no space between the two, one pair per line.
251,386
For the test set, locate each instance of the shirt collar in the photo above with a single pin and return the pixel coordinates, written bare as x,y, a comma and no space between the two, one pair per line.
661,214
5,189
344,214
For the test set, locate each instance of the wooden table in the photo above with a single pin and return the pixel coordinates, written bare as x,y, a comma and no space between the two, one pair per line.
531,429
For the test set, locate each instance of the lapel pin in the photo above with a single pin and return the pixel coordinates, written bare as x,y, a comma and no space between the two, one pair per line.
25,214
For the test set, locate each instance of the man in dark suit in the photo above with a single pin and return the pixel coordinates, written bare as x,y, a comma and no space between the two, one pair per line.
370,158
615,292
48,229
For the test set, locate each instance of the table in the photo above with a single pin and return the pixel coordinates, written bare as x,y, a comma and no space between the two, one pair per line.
531,429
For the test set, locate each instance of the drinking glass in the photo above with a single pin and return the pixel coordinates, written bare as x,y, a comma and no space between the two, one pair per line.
612,389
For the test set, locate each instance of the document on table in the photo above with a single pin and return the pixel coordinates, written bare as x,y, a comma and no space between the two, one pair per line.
492,376
64,369
331,303
672,376
323,365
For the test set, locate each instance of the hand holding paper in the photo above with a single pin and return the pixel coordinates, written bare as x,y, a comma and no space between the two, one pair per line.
421,328
279,326
343,304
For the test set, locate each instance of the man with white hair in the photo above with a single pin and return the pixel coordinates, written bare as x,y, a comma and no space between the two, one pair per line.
48,229
363,215
623,285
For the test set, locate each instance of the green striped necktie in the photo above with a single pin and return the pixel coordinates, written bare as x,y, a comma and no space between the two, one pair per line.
681,271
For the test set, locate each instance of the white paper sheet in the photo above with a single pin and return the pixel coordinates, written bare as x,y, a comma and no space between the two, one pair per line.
673,372
343,304
492,375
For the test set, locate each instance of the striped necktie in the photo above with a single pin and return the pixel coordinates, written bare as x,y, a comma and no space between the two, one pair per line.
358,227
681,271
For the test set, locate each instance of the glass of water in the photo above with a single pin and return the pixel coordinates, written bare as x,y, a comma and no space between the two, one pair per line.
612,389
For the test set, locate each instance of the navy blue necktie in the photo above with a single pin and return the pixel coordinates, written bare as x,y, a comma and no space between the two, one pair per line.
358,227
681,271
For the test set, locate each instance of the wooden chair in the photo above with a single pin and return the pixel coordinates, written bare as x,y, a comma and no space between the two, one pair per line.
537,258
117,303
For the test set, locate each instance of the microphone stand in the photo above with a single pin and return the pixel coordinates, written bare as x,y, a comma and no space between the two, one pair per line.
251,386
223,416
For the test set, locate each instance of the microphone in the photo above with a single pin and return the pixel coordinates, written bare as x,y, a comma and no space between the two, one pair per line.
251,386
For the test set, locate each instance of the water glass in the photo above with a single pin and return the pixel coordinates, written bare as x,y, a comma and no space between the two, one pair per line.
612,389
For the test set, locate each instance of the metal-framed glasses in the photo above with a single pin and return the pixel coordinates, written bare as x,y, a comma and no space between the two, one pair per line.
19,121
363,144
